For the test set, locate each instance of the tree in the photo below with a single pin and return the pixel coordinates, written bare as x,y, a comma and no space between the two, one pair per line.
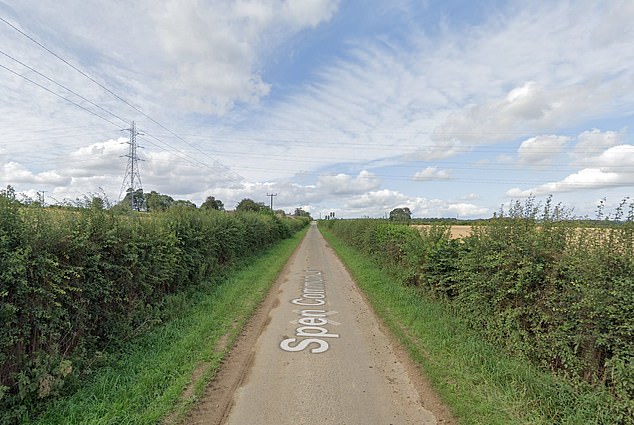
212,203
8,193
250,205
402,215
97,203
158,202
183,203
134,200
301,213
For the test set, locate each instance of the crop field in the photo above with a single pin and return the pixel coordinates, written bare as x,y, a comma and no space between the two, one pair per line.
455,231
77,283
531,281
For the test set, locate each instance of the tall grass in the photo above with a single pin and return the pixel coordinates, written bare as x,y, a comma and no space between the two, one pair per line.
532,281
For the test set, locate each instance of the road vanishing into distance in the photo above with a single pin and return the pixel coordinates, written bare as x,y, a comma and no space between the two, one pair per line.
315,355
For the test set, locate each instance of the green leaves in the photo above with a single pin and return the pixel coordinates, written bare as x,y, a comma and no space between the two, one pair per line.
531,280
74,282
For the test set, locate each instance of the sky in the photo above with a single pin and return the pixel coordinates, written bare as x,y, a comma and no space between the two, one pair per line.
451,108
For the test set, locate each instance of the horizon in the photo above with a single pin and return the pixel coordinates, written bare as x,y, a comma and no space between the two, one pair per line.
451,109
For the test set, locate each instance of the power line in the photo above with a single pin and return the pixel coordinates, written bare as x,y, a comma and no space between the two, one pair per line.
69,64
235,176
192,160
62,86
58,95
380,147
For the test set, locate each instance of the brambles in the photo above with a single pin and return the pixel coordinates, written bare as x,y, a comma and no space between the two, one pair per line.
75,282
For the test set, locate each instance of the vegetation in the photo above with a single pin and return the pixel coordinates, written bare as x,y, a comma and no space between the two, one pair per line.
247,205
301,213
163,373
401,215
212,203
555,294
77,282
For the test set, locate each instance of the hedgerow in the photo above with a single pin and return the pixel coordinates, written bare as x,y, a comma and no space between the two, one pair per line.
533,281
77,282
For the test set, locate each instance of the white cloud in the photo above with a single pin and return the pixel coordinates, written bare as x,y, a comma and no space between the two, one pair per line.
308,13
527,108
615,168
588,178
97,158
16,174
344,184
595,141
431,173
542,149
198,55
408,95
381,202
463,209
215,48
618,158
328,188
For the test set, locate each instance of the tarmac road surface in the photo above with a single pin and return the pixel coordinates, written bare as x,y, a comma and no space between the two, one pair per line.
320,357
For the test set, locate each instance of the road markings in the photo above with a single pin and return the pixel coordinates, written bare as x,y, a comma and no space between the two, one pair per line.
312,332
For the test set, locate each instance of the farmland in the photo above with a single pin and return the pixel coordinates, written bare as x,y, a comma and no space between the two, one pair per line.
531,281
79,284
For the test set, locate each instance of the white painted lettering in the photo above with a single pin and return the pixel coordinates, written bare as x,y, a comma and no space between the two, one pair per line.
304,343
301,301
314,296
321,332
312,321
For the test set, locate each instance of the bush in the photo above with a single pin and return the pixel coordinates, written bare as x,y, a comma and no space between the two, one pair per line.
77,281
531,280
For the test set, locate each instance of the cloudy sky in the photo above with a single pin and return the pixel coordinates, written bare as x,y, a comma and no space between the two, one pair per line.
448,107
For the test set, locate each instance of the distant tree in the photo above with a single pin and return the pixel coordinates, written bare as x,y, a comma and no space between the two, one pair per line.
212,203
97,203
183,203
301,213
158,202
9,192
250,205
134,200
401,214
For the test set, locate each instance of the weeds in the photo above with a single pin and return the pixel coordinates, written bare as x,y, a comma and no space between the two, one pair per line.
532,281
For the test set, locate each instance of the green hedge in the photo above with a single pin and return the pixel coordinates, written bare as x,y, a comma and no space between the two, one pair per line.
532,281
76,282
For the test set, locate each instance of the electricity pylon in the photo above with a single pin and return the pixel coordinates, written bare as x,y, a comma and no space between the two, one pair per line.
132,177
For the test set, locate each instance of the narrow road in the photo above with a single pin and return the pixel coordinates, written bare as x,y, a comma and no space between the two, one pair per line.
320,357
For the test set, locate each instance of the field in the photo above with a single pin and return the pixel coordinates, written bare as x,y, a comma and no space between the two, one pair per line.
455,231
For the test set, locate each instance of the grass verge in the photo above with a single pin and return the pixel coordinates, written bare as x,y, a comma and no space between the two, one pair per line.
147,382
479,382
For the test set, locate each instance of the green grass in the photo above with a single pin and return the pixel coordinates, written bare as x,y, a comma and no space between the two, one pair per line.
478,381
146,382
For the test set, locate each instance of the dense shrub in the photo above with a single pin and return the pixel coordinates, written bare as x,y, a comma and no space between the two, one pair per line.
532,280
76,282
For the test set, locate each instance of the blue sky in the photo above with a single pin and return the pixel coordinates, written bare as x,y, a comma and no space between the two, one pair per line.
451,108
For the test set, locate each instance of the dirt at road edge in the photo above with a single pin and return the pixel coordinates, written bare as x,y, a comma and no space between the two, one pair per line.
217,400
216,403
